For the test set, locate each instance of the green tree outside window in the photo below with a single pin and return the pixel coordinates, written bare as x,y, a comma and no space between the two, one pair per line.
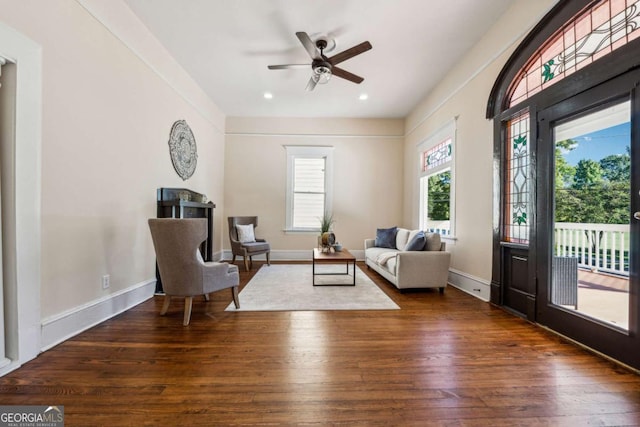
592,191
439,196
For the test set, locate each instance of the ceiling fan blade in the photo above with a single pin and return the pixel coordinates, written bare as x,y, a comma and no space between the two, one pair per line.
311,85
350,53
308,44
339,72
288,66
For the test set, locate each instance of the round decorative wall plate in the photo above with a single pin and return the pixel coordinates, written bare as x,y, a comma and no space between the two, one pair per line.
183,150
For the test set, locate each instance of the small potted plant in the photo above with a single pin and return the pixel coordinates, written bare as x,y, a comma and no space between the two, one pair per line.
326,238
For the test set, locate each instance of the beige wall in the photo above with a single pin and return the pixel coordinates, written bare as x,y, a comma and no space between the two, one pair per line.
464,94
374,170
106,121
368,164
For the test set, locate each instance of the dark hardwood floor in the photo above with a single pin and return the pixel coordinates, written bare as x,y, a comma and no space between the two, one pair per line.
443,359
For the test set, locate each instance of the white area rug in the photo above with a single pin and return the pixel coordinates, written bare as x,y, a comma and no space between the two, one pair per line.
288,287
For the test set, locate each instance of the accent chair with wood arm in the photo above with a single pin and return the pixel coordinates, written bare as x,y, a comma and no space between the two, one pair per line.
246,248
182,269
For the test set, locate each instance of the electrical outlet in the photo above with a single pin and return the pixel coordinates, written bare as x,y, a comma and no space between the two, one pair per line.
105,281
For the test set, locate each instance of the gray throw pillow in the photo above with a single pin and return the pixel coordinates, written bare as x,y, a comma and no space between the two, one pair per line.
386,237
433,242
417,242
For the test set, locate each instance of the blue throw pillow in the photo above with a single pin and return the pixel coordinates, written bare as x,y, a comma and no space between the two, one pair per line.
386,237
417,243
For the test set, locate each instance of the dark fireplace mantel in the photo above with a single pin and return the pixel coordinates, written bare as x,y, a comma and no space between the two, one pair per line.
185,203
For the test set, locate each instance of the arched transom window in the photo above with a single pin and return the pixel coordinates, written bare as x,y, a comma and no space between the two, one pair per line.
591,34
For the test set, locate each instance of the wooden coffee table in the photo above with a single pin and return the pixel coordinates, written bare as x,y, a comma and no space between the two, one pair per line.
344,256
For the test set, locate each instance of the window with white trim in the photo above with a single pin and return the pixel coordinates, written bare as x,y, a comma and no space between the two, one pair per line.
309,186
437,177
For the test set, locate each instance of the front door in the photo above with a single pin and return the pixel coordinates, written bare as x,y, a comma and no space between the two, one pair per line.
588,207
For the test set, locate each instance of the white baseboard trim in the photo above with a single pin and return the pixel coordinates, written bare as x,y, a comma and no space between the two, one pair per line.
472,285
290,255
61,327
9,367
4,362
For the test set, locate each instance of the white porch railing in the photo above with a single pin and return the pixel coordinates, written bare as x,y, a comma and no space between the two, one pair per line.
441,227
599,247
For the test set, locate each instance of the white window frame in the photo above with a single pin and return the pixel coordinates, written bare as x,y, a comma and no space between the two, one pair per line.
446,131
308,152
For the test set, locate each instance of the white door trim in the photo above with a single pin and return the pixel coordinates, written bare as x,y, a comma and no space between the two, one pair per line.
22,292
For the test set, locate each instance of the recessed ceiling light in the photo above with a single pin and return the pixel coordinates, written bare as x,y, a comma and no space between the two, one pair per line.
363,97
268,95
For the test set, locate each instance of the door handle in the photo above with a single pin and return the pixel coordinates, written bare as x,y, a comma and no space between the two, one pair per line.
637,215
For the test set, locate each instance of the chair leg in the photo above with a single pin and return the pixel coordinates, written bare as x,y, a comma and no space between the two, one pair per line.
268,258
246,264
236,300
250,262
165,306
187,310
233,261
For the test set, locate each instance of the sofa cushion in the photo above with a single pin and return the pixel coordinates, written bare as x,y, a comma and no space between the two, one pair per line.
384,257
373,253
402,237
417,241
386,237
433,242
391,265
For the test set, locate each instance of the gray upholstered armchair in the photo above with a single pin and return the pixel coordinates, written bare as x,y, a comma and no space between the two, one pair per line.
182,270
246,249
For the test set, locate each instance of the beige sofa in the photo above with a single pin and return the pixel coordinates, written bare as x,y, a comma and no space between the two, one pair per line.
427,268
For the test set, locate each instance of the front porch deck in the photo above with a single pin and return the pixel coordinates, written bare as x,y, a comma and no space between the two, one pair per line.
604,297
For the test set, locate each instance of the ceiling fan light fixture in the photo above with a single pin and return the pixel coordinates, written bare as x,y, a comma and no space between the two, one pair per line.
322,74
322,66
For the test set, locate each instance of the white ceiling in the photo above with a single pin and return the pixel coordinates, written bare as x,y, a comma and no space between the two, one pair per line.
226,45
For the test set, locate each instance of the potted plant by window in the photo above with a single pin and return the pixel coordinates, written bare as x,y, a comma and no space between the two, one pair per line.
326,238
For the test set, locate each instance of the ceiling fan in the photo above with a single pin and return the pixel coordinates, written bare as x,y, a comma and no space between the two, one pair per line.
323,68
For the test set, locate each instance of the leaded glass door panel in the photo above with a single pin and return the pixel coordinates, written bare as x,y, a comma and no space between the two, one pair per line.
518,284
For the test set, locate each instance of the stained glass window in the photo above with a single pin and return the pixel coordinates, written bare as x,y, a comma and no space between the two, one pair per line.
437,181
517,207
590,35
436,156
